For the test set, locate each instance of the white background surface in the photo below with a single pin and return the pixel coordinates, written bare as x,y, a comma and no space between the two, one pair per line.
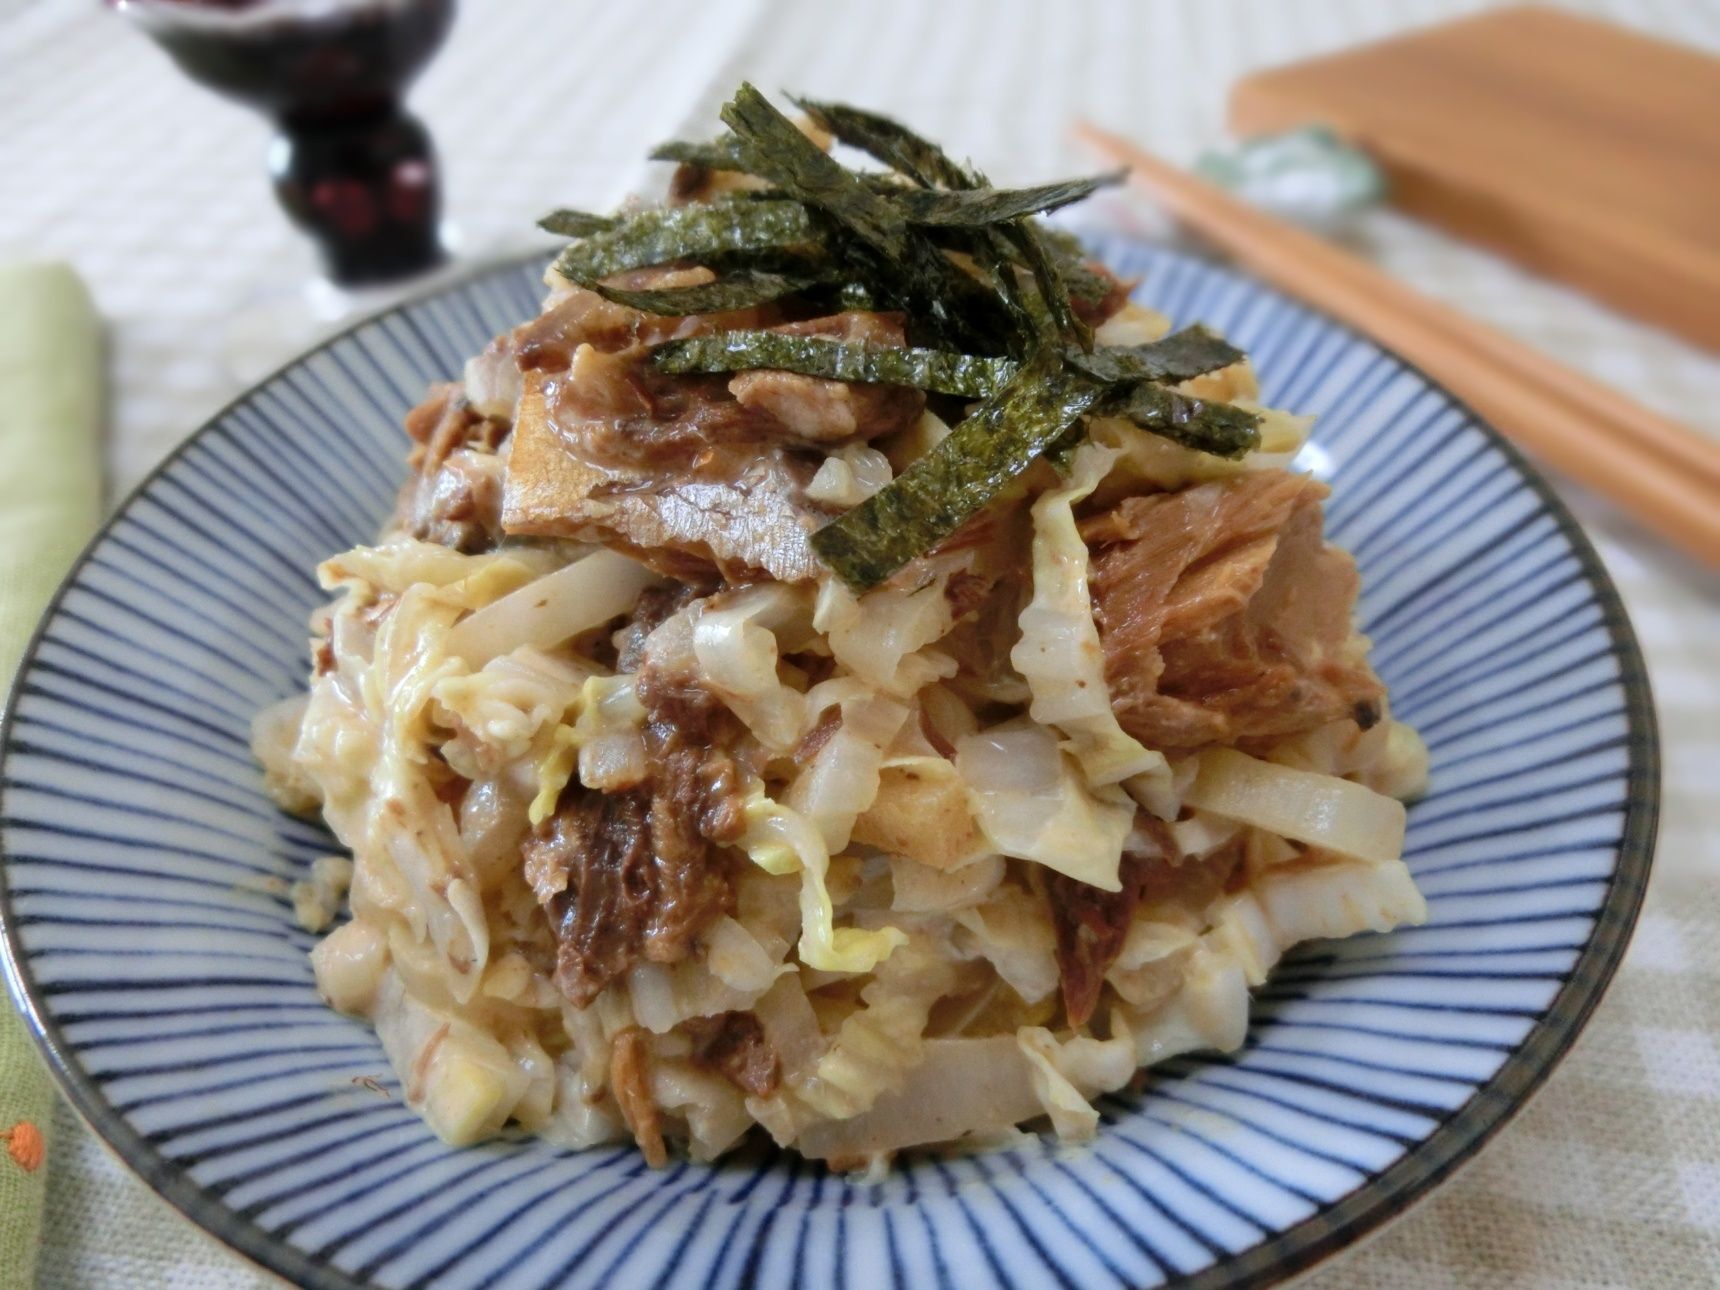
155,191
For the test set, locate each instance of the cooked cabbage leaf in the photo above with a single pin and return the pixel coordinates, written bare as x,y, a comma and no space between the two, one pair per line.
780,840
1321,810
1059,653
1031,802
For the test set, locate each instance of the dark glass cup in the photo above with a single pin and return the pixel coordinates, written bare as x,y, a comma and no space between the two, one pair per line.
351,166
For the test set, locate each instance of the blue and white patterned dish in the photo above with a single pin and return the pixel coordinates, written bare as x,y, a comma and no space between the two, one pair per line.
149,941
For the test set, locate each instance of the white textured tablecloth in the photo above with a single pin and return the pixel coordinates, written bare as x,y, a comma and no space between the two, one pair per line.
155,191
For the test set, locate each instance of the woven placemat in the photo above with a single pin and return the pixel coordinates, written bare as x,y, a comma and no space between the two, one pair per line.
155,191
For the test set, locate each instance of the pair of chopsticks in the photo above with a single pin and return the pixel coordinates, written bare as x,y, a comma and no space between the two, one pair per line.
1665,475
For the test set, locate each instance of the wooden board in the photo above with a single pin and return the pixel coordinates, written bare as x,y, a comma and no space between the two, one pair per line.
1583,150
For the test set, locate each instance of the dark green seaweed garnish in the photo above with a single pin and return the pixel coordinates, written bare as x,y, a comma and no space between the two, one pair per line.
928,165
570,223
1048,280
890,142
975,207
1181,356
720,154
737,291
1217,428
1067,253
993,302
917,275
1128,375
957,479
687,233
726,154
940,371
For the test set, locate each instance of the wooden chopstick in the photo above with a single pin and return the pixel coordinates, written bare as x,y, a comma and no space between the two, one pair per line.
1663,473
1646,428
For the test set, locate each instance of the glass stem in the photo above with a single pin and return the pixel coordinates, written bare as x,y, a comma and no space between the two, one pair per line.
366,188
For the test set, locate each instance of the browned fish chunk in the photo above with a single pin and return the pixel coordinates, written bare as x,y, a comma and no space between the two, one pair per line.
737,510
635,876
454,495
614,897
630,1079
734,1045
1224,615
1091,924
690,473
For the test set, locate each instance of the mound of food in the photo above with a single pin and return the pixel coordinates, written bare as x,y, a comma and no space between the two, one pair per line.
841,668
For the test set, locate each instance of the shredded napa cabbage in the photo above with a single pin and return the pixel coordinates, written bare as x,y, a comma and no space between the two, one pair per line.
1149,969
882,636
553,608
842,780
1133,324
1311,902
960,1086
779,840
736,647
499,711
394,567
849,476
1151,460
917,888
462,1080
1282,435
1210,1010
1071,1114
921,810
1321,810
1059,653
1031,802
1402,769
882,1040
606,709
369,740
1011,932
1066,1073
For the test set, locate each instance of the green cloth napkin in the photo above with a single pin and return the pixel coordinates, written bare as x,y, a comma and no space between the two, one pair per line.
50,499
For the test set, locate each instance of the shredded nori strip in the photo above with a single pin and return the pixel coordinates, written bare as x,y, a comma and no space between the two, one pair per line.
971,208
776,149
939,371
726,154
926,207
737,291
718,154
1181,356
696,233
926,164
917,273
919,159
1085,284
962,475
890,142
1217,428
571,223
1025,237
